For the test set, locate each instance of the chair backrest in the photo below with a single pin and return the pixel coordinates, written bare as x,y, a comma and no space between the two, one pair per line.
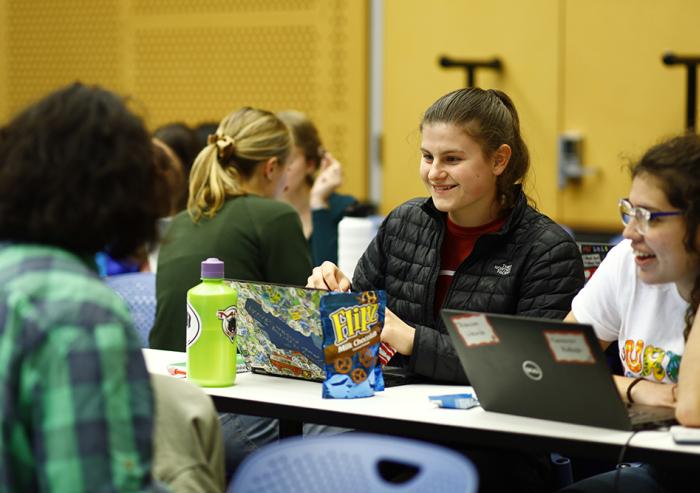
138,290
351,462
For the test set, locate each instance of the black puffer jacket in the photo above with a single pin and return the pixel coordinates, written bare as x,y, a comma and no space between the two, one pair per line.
531,267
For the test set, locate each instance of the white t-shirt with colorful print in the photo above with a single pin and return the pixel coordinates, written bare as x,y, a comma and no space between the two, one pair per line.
647,320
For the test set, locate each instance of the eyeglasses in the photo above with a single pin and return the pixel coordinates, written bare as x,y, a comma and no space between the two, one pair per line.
642,217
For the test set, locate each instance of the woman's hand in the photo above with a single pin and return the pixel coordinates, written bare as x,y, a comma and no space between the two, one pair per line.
330,177
328,276
398,333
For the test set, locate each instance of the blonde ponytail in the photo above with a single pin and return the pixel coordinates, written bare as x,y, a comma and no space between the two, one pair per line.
244,140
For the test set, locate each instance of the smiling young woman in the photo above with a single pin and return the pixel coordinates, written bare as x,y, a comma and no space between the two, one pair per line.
645,295
460,179
474,244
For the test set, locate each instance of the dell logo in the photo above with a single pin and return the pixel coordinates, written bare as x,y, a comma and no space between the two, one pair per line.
532,370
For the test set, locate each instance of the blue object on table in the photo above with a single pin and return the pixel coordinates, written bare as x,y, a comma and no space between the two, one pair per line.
455,401
352,462
138,290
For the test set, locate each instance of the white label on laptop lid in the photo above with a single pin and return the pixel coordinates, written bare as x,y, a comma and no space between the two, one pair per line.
569,346
475,330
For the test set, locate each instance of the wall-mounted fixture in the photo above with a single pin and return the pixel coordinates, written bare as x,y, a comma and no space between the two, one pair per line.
470,66
571,169
691,65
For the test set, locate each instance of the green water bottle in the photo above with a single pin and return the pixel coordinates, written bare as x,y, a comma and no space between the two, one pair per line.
211,328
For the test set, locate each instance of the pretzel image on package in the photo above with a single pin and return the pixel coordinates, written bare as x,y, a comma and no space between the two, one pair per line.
352,325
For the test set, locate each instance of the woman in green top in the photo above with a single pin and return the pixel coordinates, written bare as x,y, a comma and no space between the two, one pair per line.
231,215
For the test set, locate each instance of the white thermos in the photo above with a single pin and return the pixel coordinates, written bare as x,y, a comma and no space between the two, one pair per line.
354,235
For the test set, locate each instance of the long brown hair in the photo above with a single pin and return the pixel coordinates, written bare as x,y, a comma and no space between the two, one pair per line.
675,163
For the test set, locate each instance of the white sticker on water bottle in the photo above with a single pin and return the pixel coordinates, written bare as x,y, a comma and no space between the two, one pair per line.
194,325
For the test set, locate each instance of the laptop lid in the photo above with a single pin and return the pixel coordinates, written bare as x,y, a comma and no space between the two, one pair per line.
279,329
538,368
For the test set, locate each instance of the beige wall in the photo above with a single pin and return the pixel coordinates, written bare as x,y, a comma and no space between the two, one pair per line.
588,66
196,61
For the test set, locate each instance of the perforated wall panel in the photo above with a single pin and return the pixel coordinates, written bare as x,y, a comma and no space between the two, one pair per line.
200,6
197,60
55,42
222,69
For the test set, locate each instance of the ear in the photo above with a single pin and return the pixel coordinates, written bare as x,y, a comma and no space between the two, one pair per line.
270,167
501,158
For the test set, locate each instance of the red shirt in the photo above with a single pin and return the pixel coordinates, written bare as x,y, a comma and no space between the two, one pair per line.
457,245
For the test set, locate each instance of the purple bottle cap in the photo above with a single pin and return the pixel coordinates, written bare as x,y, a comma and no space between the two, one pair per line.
212,268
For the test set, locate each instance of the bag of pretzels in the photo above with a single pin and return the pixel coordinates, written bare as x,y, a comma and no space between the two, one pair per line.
352,324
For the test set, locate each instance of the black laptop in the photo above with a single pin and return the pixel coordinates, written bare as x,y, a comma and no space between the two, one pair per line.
544,369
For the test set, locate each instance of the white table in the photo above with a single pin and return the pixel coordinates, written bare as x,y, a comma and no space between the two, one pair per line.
406,411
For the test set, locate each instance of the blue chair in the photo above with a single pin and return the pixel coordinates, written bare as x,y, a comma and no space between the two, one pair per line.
138,290
352,462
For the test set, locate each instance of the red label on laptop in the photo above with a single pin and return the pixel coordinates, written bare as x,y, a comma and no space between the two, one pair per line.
569,346
475,330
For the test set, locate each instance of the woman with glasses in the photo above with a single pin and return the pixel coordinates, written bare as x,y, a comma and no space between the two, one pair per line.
646,292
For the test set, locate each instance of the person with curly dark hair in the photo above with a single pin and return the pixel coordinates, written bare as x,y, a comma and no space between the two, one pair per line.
646,296
651,280
76,177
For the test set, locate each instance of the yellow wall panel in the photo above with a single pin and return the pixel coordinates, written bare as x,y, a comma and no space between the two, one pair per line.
619,95
221,69
54,42
197,60
218,6
4,100
523,34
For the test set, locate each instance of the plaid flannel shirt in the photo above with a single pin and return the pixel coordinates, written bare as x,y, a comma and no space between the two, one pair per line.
77,407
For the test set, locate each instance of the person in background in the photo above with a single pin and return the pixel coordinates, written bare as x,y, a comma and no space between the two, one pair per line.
474,244
137,287
202,131
170,175
646,292
182,141
313,176
232,215
76,177
170,170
